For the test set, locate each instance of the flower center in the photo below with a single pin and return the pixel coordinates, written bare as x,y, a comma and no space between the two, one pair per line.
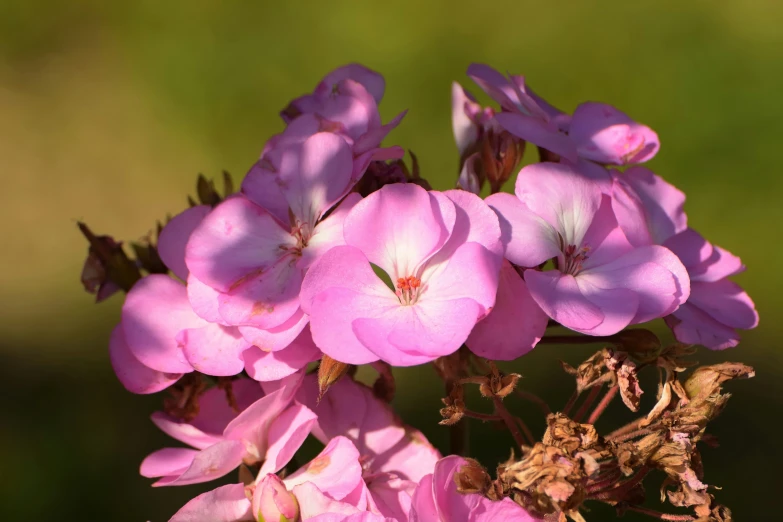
573,259
408,289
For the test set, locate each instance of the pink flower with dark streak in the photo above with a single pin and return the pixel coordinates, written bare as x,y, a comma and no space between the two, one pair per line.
268,432
601,283
441,252
436,499
650,211
522,114
604,134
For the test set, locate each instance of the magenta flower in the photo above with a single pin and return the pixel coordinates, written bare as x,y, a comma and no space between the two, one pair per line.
601,283
604,134
436,500
442,254
650,211
268,432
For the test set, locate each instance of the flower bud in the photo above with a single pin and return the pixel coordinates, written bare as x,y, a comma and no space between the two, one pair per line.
329,372
272,502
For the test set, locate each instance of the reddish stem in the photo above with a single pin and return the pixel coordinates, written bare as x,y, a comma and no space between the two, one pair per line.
631,426
591,397
532,397
501,410
610,395
482,416
613,494
526,430
571,402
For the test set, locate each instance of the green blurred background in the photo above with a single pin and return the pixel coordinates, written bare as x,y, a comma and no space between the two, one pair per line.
109,109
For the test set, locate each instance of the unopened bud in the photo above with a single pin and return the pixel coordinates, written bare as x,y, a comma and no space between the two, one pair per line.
329,372
107,266
272,502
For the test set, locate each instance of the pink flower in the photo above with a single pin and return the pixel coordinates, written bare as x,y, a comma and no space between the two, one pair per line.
269,431
522,114
515,324
596,131
717,307
436,499
348,99
601,283
442,254
468,118
604,134
650,212
351,409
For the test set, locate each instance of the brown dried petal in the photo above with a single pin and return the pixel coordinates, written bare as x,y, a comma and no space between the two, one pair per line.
329,372
707,380
472,477
664,400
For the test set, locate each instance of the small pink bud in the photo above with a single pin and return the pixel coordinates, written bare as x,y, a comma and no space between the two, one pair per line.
272,502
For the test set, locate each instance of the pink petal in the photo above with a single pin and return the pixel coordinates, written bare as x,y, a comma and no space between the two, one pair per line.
411,457
598,173
370,80
236,242
372,139
351,106
175,235
538,132
357,517
468,177
134,376
315,175
155,311
653,273
692,325
264,301
312,502
167,461
495,85
204,300
286,434
398,228
276,338
605,240
262,186
658,203
252,425
209,464
391,495
726,302
705,262
329,232
561,196
560,298
273,502
224,504
271,366
335,471
331,311
617,305
214,349
423,508
413,334
465,130
607,135
475,221
470,272
185,432
451,504
529,240
721,264
514,326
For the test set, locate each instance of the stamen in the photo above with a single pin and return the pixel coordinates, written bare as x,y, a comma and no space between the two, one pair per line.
574,259
408,289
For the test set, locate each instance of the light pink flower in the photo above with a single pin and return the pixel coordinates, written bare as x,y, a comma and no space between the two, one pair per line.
717,306
650,212
442,254
350,409
436,499
269,431
601,283
468,118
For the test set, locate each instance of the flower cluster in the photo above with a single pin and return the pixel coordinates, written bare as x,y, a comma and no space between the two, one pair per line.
335,254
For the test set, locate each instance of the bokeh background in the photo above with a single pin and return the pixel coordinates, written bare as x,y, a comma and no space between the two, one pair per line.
108,110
